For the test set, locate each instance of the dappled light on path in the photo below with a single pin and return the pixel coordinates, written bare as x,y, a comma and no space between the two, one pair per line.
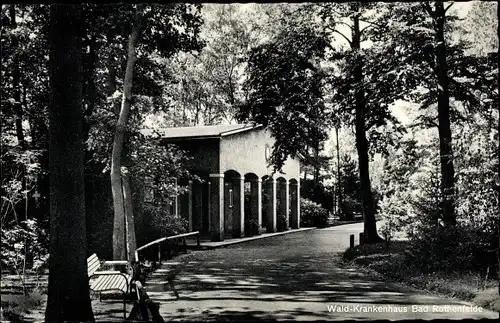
295,276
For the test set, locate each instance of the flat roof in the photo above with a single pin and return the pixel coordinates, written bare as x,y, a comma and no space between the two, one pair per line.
199,132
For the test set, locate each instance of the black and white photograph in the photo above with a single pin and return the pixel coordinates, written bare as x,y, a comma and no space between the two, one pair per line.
250,161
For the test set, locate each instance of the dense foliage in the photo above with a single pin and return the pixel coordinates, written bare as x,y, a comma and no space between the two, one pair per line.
312,214
284,88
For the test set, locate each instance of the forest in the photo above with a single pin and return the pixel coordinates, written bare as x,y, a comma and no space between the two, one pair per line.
394,106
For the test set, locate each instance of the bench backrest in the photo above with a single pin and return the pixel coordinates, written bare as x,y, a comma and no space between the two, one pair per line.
93,264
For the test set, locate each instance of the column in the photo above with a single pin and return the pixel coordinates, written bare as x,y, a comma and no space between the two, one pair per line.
228,209
216,210
271,205
176,205
282,187
198,206
256,203
206,211
295,205
190,206
298,205
239,207
287,206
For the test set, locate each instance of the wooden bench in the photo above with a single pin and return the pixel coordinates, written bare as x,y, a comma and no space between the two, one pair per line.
109,280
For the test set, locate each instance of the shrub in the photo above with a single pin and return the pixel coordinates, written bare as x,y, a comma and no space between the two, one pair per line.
312,214
451,249
251,227
154,222
282,223
394,212
22,244
14,307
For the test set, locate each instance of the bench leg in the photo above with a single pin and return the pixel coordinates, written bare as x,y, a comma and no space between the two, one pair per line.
124,308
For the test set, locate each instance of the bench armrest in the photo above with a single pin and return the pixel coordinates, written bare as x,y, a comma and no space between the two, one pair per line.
108,272
115,262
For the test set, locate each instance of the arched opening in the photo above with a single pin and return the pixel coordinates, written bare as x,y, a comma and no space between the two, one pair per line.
282,204
269,203
200,200
233,205
253,204
294,196
182,205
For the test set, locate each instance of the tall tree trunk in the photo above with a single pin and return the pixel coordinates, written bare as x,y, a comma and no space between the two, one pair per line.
18,108
445,145
16,86
316,166
89,99
370,225
197,114
129,215
498,152
339,182
119,223
68,290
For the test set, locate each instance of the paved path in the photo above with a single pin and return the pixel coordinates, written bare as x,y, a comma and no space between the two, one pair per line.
293,276
207,244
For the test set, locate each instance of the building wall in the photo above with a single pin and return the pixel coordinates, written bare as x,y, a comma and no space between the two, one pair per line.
205,153
246,153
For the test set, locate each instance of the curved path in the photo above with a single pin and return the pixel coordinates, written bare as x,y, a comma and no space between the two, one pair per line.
294,276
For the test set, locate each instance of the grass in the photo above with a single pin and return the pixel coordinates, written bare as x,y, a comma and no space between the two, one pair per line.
390,262
15,306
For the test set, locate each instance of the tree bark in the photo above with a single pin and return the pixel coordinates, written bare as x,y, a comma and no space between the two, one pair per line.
68,290
498,151
445,145
16,86
119,225
370,225
18,109
129,215
316,166
339,185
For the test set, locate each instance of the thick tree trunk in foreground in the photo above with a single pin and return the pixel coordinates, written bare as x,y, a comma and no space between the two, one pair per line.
119,225
370,225
445,146
68,291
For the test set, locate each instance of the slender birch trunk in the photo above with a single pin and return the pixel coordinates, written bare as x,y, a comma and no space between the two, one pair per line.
119,224
129,215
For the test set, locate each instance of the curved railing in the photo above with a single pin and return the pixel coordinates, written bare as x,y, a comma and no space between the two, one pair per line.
158,242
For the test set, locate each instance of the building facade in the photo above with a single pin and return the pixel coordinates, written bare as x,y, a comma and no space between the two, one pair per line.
238,194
